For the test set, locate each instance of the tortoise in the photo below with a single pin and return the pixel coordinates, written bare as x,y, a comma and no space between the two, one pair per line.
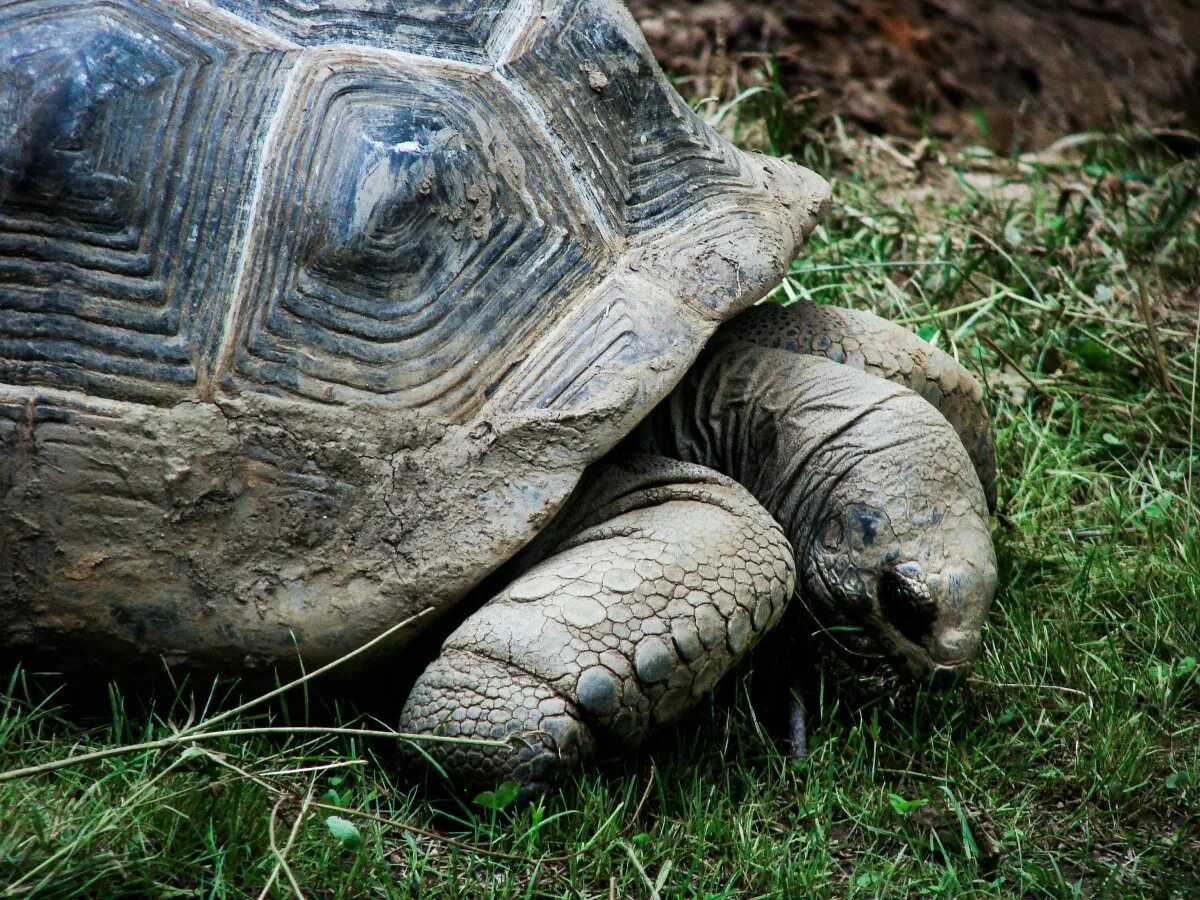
314,314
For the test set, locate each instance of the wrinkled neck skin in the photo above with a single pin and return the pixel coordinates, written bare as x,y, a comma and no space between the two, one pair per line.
876,493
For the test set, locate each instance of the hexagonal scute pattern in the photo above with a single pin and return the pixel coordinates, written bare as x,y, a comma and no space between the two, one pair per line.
484,237
264,195
115,123
412,239
465,30
643,154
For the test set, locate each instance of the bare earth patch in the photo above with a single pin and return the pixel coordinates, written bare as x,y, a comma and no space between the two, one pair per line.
1025,70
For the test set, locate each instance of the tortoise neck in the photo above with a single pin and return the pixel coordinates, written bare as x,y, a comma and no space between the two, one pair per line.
748,413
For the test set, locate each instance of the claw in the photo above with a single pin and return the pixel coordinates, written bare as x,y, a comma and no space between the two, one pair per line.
797,737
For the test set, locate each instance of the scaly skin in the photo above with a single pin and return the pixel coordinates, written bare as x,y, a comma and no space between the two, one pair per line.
661,573
671,574
872,485
881,348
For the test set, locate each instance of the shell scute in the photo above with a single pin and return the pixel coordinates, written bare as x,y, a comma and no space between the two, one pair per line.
644,155
474,31
115,121
411,239
313,312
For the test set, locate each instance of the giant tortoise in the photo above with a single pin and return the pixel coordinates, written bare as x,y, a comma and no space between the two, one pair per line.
316,313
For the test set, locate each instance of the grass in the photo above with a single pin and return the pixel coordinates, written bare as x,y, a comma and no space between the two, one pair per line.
1069,766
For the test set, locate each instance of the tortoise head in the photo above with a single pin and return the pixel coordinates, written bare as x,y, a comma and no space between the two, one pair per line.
899,563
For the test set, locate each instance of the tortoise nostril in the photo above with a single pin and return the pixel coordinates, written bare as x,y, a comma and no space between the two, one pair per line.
905,605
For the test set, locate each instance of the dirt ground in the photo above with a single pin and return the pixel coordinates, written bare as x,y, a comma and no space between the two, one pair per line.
1027,71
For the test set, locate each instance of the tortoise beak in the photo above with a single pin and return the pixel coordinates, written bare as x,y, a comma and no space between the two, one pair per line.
932,624
916,661
945,677
943,653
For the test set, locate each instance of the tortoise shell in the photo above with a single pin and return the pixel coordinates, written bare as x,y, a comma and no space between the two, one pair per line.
312,312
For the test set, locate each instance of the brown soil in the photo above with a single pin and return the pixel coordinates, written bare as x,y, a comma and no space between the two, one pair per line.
1034,69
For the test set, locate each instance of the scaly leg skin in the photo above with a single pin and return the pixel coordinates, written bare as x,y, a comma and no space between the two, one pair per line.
671,573
885,350
873,486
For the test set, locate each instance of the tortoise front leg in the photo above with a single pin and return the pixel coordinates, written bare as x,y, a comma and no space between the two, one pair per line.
672,573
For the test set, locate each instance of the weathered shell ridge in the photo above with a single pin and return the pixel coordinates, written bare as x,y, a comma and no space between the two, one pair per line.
312,314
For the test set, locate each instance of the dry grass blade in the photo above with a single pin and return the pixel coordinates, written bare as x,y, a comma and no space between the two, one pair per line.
1160,359
637,864
1011,363
192,737
281,855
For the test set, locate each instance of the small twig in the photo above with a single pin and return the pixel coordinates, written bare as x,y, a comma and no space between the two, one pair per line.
281,864
637,810
1160,358
895,154
1012,363
1189,484
186,739
296,831
309,676
319,769
1095,534
919,151
280,861
1033,687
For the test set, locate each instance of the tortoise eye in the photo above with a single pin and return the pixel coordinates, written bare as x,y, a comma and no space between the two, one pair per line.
905,605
